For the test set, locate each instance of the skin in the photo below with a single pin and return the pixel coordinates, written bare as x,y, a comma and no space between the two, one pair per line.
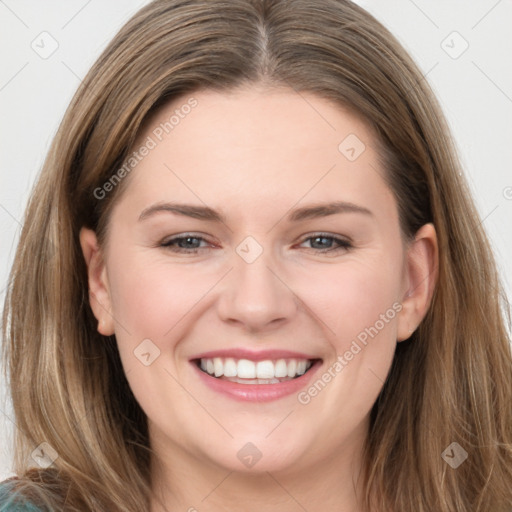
254,155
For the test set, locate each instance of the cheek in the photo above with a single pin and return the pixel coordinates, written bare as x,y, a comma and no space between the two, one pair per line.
351,297
359,306
153,301
150,297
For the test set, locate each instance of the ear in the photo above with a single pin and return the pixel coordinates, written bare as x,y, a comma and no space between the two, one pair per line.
420,277
99,290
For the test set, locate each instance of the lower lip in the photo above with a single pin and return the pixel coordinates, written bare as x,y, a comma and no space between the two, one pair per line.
258,392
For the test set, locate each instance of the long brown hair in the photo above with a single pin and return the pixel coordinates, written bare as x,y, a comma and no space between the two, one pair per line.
451,382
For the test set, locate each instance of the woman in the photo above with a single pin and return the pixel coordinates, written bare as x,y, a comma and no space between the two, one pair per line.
251,272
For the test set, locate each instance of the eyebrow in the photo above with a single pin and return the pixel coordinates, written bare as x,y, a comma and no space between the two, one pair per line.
206,213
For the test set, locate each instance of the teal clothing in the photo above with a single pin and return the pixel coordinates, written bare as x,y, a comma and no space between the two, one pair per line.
12,502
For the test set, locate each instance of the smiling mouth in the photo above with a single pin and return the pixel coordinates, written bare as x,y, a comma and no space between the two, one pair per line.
245,371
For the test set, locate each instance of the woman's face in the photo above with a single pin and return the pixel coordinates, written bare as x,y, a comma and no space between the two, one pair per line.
257,237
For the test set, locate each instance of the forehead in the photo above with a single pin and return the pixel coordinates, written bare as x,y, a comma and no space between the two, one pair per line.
255,148
280,120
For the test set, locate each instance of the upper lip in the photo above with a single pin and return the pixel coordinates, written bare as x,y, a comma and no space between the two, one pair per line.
253,355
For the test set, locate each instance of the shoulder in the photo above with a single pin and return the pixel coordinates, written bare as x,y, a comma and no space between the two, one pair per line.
12,501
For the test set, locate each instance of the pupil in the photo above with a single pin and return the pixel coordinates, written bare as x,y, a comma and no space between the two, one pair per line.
322,238
187,241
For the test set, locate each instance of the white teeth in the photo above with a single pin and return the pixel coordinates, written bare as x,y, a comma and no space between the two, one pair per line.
301,367
230,367
218,366
292,368
281,368
265,370
251,372
254,381
246,369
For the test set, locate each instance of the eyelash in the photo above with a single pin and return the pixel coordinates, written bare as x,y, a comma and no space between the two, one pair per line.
343,244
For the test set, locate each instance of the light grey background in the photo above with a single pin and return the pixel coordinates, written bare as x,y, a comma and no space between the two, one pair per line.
474,87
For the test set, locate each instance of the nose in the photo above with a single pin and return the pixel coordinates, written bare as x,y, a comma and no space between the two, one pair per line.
256,296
